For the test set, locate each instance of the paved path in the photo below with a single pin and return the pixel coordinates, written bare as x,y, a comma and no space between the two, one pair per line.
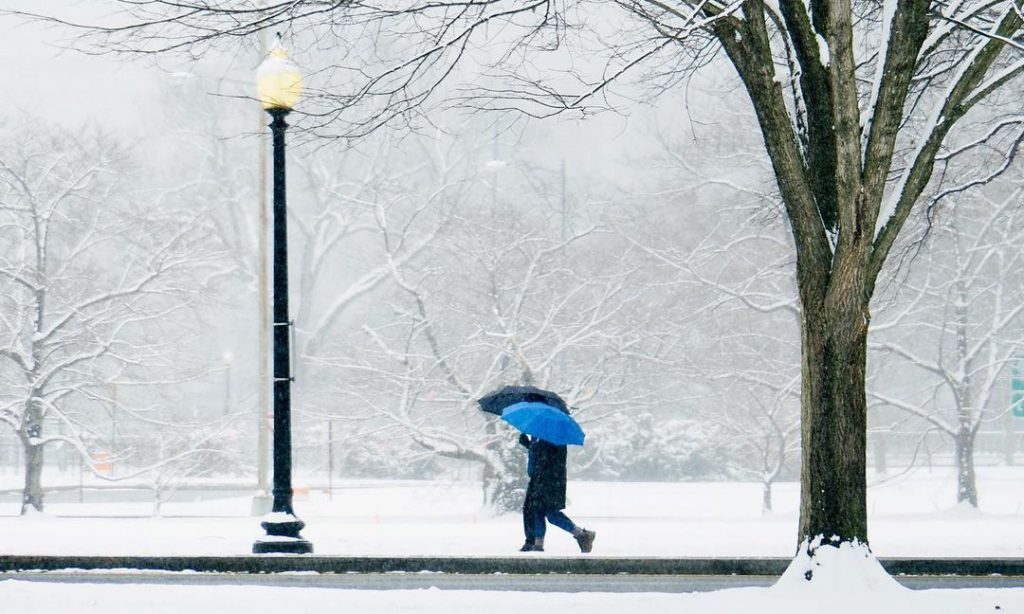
514,565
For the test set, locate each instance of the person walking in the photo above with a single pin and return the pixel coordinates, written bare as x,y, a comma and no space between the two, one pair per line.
545,496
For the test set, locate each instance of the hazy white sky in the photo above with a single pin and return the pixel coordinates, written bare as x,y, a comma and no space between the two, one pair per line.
43,79
46,79
49,81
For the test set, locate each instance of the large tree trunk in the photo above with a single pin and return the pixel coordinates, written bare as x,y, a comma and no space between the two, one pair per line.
834,415
832,220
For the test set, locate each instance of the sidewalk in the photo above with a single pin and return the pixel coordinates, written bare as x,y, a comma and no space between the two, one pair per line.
583,564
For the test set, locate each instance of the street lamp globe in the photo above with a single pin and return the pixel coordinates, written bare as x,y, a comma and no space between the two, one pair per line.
278,80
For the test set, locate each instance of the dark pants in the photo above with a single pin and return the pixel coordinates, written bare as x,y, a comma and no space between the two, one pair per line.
534,525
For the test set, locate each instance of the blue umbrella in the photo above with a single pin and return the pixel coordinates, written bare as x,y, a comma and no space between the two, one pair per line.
544,421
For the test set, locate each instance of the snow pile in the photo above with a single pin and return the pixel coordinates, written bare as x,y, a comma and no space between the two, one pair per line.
846,578
848,567
34,514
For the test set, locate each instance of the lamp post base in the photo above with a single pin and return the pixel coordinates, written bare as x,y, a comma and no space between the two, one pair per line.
282,546
282,535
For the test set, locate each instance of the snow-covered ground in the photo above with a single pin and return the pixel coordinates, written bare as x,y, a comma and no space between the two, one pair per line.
20,597
912,515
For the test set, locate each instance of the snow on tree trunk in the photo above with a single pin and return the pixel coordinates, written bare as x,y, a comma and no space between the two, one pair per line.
966,484
30,436
158,502
32,496
966,487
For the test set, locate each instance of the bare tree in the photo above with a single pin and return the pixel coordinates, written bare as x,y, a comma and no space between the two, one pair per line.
535,326
726,251
854,102
182,455
955,330
89,275
480,291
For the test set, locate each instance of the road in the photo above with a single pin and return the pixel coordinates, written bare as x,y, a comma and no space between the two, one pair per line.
561,583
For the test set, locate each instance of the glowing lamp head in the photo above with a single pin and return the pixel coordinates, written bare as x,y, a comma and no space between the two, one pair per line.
278,81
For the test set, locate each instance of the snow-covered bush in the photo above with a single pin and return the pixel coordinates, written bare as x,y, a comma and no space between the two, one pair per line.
385,458
643,447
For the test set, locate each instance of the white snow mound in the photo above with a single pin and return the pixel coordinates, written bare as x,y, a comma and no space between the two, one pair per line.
845,568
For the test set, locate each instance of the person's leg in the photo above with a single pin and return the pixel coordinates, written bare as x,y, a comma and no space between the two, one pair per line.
529,524
584,538
539,529
560,520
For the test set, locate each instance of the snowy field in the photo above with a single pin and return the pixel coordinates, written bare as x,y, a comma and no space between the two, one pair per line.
912,515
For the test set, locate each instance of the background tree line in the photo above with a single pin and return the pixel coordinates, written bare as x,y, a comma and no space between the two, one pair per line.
872,117
661,305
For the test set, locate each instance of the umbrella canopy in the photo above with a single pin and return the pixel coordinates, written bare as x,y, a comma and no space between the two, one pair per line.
495,402
544,421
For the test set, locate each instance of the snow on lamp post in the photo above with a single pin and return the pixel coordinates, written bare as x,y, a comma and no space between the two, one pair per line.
278,85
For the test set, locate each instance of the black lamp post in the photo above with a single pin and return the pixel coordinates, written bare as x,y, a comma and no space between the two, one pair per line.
279,85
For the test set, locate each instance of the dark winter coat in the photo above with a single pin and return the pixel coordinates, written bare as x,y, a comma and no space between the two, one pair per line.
546,467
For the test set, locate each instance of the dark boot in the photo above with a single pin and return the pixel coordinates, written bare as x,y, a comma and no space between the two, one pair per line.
584,538
528,546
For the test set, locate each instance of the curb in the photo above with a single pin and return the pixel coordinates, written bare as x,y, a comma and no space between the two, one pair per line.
490,565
